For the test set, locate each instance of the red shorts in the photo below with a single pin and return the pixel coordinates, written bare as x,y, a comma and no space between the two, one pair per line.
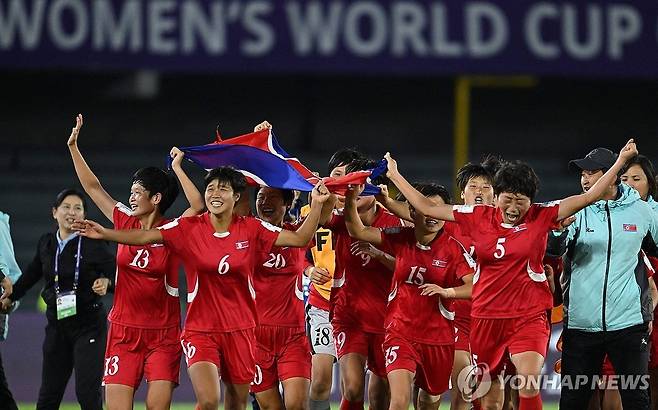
432,364
281,353
607,369
231,352
491,339
463,334
353,340
133,353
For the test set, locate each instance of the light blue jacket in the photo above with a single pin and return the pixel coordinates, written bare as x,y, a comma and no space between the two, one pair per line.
8,264
604,283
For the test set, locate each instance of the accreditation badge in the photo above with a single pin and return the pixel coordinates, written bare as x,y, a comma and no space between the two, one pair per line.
65,305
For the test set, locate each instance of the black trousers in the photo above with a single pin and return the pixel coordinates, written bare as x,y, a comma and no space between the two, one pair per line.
74,344
582,358
7,401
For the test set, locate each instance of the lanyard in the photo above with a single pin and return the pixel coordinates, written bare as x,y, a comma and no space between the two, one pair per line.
76,277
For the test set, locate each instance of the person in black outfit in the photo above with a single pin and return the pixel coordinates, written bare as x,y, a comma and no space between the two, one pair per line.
76,272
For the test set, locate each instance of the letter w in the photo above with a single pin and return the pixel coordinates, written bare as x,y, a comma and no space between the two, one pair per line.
17,19
314,26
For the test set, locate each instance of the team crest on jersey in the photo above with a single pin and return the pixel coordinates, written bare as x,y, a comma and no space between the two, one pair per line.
241,245
630,228
439,263
519,228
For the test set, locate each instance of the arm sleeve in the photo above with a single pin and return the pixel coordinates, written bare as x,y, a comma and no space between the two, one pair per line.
264,234
174,234
30,276
464,264
8,264
392,239
121,215
558,242
336,221
547,212
469,217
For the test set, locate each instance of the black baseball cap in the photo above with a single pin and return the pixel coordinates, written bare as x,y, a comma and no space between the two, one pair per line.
598,158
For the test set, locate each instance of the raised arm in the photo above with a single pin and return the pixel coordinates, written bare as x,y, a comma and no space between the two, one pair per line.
94,230
397,208
192,194
327,209
90,183
575,203
355,226
415,198
302,236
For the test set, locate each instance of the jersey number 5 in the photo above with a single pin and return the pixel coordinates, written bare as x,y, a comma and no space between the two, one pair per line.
500,249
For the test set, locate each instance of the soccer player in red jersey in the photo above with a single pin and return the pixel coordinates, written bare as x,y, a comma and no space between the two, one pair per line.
431,268
320,273
475,181
358,304
510,291
282,350
219,251
143,338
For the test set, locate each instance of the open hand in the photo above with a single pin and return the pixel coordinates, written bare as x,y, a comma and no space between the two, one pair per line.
89,229
430,289
73,138
362,247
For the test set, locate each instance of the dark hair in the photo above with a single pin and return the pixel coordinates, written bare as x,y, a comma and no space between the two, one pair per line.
647,168
70,191
516,177
363,164
485,169
342,157
228,175
157,181
428,189
288,195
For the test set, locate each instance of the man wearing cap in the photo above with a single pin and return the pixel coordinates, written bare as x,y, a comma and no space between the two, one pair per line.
607,307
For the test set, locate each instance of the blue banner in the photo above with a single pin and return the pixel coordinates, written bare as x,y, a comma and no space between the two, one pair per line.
578,38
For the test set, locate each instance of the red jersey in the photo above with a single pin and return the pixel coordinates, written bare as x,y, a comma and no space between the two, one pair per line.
509,281
219,267
277,281
361,284
443,262
146,292
462,307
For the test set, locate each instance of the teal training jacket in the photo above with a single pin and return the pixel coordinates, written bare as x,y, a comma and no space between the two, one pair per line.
604,283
